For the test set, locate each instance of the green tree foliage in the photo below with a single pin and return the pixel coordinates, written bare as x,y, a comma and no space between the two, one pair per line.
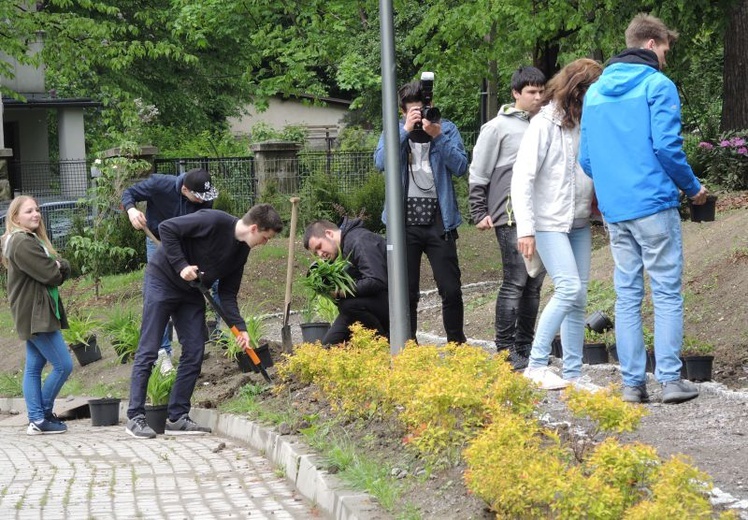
199,61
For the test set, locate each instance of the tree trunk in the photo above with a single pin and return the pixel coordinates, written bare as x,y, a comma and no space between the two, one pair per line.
735,75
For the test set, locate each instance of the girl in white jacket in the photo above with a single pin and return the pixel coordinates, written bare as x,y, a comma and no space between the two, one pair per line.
552,200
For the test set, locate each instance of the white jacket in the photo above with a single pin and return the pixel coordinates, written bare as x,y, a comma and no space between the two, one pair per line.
549,188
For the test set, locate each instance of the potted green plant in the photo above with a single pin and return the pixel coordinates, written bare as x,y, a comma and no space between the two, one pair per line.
157,396
325,280
698,358
595,350
255,331
81,337
123,330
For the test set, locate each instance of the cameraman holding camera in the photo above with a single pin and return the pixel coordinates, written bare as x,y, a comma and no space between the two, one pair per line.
431,152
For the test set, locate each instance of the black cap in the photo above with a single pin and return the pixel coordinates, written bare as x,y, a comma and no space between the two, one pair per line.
198,182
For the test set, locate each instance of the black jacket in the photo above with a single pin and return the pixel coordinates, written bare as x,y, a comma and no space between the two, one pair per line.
367,253
205,239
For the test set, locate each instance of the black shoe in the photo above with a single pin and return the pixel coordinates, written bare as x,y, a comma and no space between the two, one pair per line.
515,358
138,428
52,417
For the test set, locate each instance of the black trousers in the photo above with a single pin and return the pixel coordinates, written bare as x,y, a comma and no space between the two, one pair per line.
373,312
441,250
187,310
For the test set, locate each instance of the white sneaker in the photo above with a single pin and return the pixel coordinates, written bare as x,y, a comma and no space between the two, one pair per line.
584,383
545,378
164,361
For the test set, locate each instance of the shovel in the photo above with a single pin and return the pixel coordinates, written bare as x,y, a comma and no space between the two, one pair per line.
249,350
286,341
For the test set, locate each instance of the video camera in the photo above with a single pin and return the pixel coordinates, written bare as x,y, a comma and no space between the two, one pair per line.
429,112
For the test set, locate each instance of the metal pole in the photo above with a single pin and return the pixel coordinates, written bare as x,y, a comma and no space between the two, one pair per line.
396,262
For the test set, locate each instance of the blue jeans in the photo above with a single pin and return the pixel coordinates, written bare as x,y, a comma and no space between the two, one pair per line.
518,300
652,243
150,249
40,349
566,257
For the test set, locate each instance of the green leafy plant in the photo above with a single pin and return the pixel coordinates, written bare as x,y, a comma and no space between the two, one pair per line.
649,339
327,278
80,330
94,247
326,309
696,347
590,336
159,386
123,330
255,331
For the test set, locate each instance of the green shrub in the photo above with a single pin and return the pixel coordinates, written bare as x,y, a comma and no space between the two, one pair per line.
726,159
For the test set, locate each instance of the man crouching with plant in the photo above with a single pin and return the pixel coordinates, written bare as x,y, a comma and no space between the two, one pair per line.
362,295
207,245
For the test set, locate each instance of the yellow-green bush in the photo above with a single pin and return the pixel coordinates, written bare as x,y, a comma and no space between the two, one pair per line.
457,396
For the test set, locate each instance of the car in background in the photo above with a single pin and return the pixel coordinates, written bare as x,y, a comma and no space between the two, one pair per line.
59,218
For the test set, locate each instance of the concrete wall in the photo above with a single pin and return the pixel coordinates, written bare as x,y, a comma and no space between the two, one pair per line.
27,79
282,113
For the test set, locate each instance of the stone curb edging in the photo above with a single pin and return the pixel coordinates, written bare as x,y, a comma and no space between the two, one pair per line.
299,463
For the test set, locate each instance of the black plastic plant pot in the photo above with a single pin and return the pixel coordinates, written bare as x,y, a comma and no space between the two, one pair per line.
86,354
704,212
651,362
557,349
699,367
315,331
598,322
613,353
594,354
156,417
104,412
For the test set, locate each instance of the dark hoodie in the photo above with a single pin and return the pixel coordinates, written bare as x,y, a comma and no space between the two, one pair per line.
367,253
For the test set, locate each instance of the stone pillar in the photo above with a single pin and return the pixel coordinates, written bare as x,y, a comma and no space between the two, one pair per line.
277,166
147,153
72,148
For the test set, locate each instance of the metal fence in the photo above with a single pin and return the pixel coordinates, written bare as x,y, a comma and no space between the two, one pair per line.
63,179
233,176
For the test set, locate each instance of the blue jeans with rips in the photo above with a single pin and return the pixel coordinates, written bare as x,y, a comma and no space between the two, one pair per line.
566,257
42,348
653,243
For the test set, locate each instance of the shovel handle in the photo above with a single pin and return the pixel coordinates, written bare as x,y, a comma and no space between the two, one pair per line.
289,267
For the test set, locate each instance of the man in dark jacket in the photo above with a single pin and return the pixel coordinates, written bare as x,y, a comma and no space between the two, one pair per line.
213,245
367,253
167,196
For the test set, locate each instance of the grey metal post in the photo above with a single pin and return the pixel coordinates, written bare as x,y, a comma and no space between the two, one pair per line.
396,262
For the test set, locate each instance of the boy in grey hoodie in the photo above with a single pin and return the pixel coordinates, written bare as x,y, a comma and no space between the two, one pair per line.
490,207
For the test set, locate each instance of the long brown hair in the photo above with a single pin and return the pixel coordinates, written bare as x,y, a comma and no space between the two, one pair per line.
568,86
11,225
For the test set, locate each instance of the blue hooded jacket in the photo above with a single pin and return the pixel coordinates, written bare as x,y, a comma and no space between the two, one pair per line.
447,157
630,142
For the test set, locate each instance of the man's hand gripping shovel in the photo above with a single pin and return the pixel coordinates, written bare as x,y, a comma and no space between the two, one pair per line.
248,349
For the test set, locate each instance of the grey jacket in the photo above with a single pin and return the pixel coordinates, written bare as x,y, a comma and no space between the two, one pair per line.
491,170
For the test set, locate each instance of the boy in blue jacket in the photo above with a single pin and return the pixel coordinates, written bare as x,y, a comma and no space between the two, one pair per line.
631,147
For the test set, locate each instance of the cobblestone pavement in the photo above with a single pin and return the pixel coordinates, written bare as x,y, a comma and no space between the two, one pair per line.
101,472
